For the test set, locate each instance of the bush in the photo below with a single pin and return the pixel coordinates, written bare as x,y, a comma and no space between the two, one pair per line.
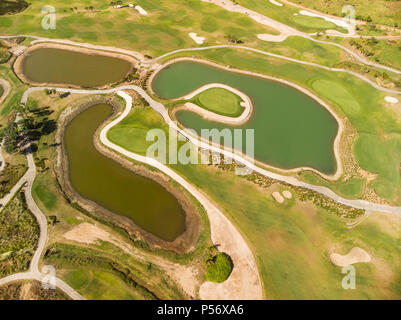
218,268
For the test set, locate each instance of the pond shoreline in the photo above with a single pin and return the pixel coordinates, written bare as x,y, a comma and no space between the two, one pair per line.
18,65
183,243
336,145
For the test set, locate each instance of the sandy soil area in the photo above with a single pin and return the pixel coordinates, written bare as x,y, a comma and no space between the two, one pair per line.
7,88
391,99
196,38
356,255
278,197
141,10
287,194
276,3
272,38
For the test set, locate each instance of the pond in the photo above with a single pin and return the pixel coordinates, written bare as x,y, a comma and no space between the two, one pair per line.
59,66
291,129
106,182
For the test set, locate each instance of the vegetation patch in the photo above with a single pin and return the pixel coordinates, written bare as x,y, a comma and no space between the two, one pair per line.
29,290
19,233
98,277
219,268
12,6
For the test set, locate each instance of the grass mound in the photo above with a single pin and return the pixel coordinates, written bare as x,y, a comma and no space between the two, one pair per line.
218,268
220,101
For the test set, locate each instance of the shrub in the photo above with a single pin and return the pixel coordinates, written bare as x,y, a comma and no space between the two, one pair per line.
218,268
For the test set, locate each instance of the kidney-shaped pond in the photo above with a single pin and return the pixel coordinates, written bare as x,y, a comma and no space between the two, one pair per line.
291,129
106,182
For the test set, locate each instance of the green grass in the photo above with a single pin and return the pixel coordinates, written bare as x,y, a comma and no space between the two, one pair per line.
312,22
218,268
19,233
285,14
386,52
381,155
105,272
46,196
165,28
100,285
351,188
220,101
347,95
338,94
381,11
291,241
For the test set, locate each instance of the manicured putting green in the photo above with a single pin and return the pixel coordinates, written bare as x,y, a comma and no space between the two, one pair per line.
221,101
338,94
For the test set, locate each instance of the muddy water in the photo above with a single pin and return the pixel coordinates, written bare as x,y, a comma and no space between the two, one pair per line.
117,189
51,65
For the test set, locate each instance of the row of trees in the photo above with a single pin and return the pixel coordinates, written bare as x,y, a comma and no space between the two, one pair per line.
32,124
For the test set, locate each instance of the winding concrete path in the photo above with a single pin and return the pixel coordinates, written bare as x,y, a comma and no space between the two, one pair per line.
34,272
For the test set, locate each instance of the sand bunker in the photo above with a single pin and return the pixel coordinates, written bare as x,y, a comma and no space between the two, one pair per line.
276,3
141,10
391,99
287,194
278,197
272,38
354,256
198,40
338,22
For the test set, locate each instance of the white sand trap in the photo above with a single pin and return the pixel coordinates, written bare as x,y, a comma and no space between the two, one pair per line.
354,256
287,194
276,3
141,10
278,197
272,38
338,22
391,99
198,40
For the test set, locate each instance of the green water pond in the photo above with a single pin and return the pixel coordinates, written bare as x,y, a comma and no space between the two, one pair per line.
291,129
